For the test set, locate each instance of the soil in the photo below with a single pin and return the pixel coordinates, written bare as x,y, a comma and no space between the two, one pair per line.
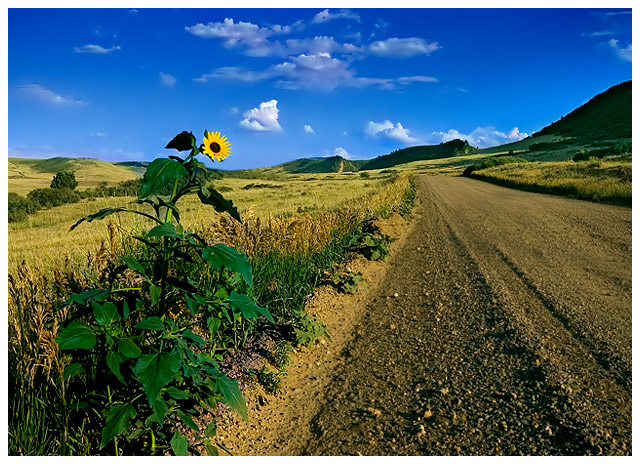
501,325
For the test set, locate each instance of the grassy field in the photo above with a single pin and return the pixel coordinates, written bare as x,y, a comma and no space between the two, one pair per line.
30,174
44,236
606,180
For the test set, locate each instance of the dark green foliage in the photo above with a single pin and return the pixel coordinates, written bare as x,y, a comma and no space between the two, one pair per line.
271,381
611,150
425,152
364,175
19,207
347,282
607,116
64,180
491,162
48,197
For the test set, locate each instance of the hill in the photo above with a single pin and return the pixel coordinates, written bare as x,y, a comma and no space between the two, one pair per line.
333,164
607,116
26,174
449,149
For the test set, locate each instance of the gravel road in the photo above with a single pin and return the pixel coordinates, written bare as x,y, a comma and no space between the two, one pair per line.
503,327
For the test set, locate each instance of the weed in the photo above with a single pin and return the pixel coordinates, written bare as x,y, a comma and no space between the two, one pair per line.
271,381
347,282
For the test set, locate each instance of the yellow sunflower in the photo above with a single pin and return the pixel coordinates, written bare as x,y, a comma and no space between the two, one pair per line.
215,146
177,309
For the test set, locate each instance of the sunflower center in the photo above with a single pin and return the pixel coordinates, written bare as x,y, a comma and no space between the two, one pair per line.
215,147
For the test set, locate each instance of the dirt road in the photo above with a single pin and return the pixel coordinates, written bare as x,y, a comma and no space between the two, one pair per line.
503,326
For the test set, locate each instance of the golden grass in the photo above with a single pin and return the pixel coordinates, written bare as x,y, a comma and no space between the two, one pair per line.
28,174
44,237
600,180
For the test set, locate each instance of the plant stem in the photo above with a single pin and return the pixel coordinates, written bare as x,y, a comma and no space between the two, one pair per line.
173,195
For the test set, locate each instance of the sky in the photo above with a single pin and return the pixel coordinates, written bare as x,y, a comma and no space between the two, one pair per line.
281,84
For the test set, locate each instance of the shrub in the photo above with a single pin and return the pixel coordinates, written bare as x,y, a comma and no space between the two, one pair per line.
49,197
19,207
64,180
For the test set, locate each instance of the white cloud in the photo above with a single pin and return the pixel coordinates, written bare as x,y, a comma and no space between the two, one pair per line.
262,119
168,79
339,151
234,110
402,48
326,15
40,93
96,49
97,134
481,137
318,71
308,129
388,130
251,37
624,53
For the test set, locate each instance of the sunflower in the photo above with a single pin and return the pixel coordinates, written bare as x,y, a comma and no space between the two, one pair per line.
215,146
176,310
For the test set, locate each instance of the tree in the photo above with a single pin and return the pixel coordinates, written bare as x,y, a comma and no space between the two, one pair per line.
64,179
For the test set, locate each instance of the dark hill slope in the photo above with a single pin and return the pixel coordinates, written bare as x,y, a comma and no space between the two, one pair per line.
455,147
606,116
332,164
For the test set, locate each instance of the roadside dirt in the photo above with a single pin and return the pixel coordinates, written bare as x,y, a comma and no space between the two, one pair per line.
500,326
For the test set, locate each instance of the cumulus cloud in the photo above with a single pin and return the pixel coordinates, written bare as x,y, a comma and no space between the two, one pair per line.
248,36
326,15
387,129
41,93
481,137
622,52
339,151
402,48
96,49
308,129
168,79
264,118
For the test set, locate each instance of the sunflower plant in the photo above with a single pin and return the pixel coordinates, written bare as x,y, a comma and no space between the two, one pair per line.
142,359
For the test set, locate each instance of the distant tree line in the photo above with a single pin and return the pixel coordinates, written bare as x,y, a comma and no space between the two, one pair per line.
61,191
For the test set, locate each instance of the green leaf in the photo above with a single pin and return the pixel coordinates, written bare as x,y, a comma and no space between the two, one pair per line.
211,450
184,417
163,230
103,213
76,335
210,431
177,394
155,371
179,444
220,255
194,337
221,204
160,173
129,348
154,293
250,310
229,390
159,410
105,314
214,324
232,395
117,421
113,361
150,323
134,265
183,141
125,309
72,370
93,294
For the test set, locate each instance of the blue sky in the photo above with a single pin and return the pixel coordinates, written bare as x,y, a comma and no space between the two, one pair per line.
281,84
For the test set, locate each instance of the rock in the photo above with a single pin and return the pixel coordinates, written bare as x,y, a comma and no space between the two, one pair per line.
396,295
421,432
427,414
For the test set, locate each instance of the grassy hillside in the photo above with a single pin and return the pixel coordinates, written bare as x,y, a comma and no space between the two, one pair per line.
424,152
28,174
333,164
607,116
